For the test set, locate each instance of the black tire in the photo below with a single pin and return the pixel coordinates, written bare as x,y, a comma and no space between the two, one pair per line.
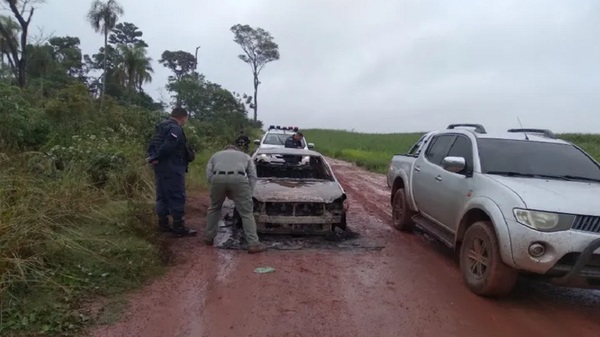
342,224
481,264
401,213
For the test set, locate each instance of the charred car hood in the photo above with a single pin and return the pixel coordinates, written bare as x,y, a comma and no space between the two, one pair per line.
295,190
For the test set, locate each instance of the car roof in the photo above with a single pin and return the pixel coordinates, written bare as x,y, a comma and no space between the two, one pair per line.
517,136
520,136
287,150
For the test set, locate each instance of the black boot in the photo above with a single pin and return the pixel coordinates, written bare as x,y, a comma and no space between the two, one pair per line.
163,224
180,230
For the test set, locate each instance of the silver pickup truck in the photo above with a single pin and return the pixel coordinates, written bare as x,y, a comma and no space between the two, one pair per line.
516,203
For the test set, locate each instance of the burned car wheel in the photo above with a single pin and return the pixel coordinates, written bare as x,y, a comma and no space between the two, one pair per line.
482,267
401,213
342,224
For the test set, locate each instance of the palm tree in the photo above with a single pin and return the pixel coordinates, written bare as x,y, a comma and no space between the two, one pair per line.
135,67
13,27
103,17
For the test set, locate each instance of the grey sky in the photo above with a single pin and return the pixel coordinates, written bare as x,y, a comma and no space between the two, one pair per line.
383,65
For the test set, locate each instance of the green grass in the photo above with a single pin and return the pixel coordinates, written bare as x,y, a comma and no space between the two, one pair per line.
374,151
63,242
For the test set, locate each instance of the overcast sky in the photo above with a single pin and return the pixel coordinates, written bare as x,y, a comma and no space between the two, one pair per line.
382,65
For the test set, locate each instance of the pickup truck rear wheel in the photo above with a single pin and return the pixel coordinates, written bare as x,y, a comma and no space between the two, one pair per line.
483,269
401,213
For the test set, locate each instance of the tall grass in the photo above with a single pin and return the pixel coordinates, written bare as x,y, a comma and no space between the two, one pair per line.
63,239
374,151
371,151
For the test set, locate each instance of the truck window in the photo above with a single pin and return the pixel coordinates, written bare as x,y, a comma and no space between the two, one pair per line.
462,147
416,148
438,149
535,158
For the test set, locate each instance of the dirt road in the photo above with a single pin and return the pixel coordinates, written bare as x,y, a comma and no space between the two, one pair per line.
412,287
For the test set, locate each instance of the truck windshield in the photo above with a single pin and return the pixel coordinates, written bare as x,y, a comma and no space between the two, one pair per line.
278,139
536,159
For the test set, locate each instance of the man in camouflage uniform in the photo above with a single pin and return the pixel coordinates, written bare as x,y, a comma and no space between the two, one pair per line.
232,174
169,155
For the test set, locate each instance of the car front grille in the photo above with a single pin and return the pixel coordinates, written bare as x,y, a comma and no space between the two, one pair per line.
294,208
587,223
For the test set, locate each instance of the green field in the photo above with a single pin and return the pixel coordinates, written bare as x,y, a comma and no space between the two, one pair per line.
374,151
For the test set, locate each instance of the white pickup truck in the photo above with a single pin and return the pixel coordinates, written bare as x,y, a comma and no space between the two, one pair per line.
516,203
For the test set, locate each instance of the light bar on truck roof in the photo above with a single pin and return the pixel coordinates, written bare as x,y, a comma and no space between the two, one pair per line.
279,127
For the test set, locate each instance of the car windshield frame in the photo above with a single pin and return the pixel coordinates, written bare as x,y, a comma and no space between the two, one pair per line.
281,137
535,159
276,159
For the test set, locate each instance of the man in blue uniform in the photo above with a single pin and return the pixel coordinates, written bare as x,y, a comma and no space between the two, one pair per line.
169,155
295,142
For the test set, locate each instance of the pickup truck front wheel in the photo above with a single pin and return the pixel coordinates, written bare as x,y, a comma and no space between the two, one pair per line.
483,269
401,213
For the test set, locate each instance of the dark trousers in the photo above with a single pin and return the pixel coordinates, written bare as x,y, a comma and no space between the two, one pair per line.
170,194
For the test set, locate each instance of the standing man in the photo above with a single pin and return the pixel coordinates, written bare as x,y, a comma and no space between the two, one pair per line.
232,174
169,155
242,141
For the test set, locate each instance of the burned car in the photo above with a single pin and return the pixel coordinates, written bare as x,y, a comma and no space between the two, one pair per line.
296,193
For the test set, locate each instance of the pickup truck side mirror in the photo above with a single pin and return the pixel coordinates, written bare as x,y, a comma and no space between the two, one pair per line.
257,141
454,164
311,145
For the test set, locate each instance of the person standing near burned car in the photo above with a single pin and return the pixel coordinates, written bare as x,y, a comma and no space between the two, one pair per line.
169,154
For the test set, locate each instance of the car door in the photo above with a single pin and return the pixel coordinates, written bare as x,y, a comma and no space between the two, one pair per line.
453,188
425,172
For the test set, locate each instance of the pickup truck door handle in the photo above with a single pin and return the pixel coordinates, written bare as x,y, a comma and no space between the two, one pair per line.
418,168
438,178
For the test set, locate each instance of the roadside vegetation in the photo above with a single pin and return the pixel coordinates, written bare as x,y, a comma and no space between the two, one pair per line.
76,196
374,151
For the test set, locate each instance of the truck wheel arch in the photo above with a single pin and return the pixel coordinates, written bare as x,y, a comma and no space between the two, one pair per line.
486,210
398,183
472,216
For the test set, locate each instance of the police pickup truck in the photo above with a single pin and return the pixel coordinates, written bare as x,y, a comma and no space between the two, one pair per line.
516,203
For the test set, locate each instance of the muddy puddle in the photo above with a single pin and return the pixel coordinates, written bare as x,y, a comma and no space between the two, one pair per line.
231,236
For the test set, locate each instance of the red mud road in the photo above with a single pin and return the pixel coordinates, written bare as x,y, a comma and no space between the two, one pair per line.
410,288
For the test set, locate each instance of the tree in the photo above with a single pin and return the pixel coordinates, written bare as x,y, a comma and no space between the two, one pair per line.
134,68
259,49
182,64
66,52
103,17
128,34
12,28
17,50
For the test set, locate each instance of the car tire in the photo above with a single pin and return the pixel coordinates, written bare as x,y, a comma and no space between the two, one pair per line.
481,263
401,213
342,224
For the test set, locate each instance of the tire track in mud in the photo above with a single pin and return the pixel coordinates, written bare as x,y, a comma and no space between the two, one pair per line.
375,194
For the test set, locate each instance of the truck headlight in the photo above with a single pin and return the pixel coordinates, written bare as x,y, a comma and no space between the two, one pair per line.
543,221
